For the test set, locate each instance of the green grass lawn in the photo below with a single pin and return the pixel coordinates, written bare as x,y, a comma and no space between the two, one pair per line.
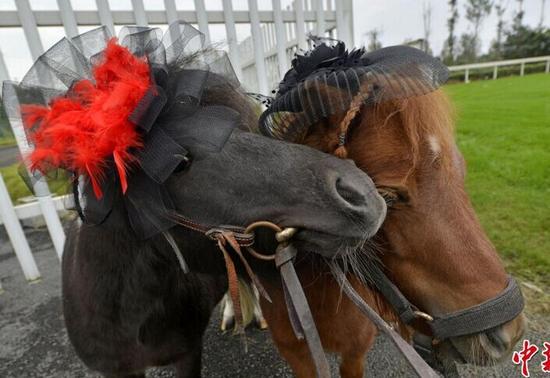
503,130
15,184
18,188
7,141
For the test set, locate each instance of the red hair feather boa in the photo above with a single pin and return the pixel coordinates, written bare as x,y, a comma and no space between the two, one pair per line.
82,129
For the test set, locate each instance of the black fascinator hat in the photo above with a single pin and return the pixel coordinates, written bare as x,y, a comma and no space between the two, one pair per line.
326,80
120,115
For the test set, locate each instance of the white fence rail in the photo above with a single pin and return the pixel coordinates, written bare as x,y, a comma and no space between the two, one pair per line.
259,60
32,209
467,68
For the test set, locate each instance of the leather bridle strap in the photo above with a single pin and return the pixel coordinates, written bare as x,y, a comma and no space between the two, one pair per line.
406,311
421,368
494,312
299,312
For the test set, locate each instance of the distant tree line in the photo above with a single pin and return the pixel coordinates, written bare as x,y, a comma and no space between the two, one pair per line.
512,40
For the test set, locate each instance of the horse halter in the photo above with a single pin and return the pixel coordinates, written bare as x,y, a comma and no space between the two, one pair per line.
494,312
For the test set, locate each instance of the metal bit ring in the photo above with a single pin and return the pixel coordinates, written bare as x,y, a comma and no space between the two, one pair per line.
282,235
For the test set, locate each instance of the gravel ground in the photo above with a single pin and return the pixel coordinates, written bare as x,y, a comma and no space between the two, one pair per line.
33,341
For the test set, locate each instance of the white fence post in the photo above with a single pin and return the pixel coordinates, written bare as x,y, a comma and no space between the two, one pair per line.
29,27
467,76
341,23
231,33
320,13
281,37
16,235
300,24
261,71
495,72
105,16
40,187
171,11
4,75
522,69
139,13
202,20
547,69
348,21
67,16
42,192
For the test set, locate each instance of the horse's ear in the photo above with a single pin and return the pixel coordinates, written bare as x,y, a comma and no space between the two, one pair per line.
394,194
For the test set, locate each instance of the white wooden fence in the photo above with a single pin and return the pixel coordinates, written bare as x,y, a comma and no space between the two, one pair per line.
276,34
467,68
260,60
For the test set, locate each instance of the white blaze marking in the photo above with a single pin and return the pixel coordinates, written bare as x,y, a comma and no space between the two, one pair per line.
434,145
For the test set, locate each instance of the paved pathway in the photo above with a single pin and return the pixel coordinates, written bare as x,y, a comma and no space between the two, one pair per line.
8,155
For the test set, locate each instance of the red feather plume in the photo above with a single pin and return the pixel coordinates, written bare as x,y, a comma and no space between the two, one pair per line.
82,129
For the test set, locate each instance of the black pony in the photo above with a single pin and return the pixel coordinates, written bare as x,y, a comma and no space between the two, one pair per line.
128,305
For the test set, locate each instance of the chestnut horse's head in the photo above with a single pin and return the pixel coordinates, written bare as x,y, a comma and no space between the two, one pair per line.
431,242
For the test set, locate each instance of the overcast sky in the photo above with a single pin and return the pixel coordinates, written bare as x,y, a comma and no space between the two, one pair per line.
396,19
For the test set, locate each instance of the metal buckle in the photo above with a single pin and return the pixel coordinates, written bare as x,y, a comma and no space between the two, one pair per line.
423,315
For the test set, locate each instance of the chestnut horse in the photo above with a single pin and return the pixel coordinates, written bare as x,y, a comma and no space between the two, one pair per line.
431,243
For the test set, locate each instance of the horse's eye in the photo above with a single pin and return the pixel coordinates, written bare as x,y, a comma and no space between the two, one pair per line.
394,195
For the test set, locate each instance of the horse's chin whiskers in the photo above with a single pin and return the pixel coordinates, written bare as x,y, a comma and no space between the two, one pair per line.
358,259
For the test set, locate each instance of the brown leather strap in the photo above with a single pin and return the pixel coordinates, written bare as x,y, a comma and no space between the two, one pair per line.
230,238
413,358
233,284
298,308
245,239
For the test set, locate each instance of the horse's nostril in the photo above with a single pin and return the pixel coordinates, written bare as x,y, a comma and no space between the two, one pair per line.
349,193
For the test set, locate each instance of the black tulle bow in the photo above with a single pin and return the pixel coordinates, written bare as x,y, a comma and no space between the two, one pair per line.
323,56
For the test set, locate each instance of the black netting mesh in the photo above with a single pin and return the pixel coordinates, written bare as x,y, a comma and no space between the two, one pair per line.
326,79
171,117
